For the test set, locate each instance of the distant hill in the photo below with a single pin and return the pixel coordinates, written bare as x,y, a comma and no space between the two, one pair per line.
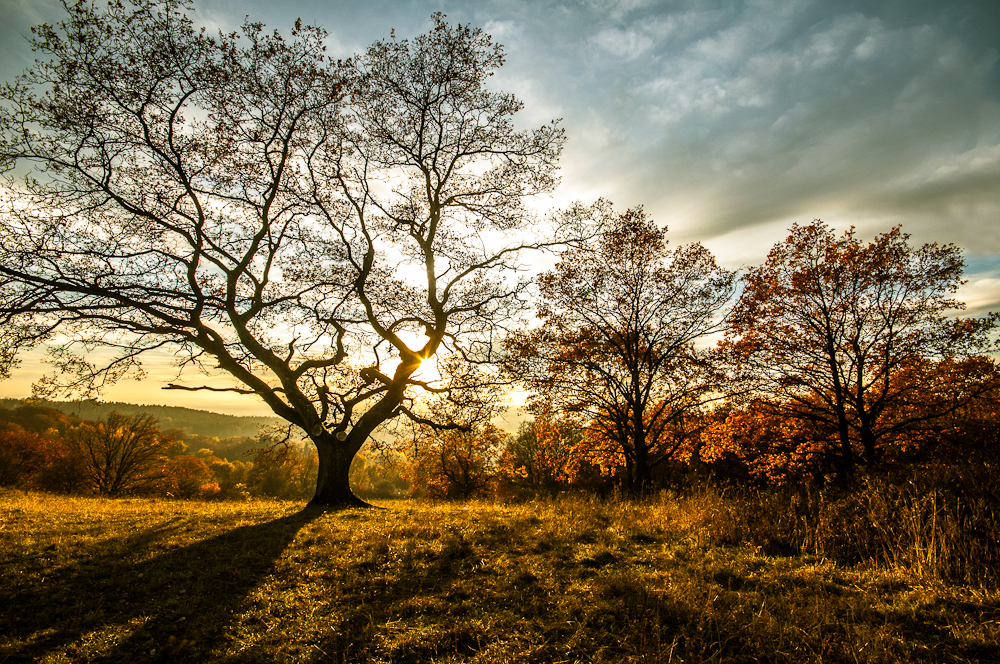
188,420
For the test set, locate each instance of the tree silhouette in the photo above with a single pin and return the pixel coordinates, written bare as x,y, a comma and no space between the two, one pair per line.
315,229
120,453
619,320
824,326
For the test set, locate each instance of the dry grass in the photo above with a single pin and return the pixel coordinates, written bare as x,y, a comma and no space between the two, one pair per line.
941,526
571,580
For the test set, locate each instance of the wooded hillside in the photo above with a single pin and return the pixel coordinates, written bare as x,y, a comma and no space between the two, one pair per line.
188,420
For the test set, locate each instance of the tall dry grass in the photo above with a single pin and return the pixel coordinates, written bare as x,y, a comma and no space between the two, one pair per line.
939,523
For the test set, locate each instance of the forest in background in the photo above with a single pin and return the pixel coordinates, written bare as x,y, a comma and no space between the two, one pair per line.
188,420
128,451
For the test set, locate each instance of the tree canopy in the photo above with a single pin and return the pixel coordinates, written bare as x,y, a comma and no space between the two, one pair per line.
619,320
826,325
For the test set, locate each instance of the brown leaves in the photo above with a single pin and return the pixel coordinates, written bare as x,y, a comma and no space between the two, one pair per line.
620,316
827,323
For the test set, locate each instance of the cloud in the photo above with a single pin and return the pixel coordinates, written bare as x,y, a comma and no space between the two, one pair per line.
759,121
980,294
502,29
627,44
15,30
618,9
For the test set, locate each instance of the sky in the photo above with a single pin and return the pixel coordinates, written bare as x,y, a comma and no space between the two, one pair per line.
728,121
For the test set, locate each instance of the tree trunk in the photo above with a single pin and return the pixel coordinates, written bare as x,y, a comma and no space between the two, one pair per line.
869,444
845,460
630,477
643,474
333,484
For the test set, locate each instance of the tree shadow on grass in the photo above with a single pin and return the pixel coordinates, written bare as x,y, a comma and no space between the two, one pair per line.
169,607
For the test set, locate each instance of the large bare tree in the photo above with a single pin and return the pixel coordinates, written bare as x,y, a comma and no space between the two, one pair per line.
315,229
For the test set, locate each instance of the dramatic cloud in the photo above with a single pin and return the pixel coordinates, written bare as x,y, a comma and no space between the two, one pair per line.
726,119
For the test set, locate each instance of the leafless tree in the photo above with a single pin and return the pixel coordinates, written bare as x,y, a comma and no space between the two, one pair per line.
315,229
120,453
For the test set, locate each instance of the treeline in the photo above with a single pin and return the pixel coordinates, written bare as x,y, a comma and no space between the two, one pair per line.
122,454
188,420
747,447
839,359
42,448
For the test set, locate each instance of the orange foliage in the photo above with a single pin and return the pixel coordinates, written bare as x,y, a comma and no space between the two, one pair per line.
947,412
773,447
825,328
952,412
33,460
456,463
540,457
188,476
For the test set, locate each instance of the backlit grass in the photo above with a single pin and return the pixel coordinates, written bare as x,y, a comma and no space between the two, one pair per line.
574,580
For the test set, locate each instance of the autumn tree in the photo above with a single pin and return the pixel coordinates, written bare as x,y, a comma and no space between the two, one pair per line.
188,476
34,452
946,412
312,231
456,463
825,325
543,455
121,453
231,477
616,346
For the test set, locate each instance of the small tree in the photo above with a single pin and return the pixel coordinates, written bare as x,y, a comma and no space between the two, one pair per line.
456,463
232,477
826,324
186,476
121,453
620,317
542,456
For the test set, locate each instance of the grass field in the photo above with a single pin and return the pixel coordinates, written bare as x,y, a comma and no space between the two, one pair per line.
571,580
